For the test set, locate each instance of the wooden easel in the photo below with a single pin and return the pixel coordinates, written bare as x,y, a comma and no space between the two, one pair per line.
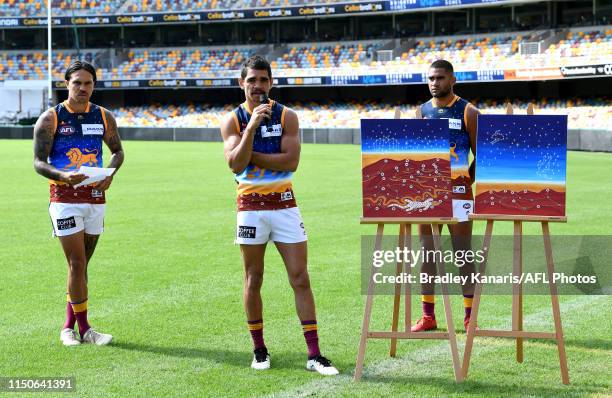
517,331
405,240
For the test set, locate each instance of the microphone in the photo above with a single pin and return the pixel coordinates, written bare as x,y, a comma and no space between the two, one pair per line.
263,99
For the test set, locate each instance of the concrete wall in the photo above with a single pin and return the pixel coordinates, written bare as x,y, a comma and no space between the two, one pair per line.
583,140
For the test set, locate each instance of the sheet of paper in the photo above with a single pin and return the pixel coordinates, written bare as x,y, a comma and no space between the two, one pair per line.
94,174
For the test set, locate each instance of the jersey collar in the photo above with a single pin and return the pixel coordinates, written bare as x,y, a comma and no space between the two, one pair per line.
451,103
69,109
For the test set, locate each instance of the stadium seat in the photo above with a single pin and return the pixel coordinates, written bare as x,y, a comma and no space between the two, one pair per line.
32,8
582,113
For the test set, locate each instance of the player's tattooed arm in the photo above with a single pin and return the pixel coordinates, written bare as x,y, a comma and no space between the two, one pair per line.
113,141
43,142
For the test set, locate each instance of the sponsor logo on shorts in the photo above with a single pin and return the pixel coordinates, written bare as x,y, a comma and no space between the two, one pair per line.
467,206
66,223
303,229
459,189
246,232
286,196
96,194
92,129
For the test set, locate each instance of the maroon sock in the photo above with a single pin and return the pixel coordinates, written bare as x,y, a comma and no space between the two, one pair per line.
428,309
467,304
312,338
80,312
256,329
81,318
70,318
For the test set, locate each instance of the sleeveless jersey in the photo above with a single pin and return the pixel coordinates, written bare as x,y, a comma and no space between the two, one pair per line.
77,142
260,188
456,113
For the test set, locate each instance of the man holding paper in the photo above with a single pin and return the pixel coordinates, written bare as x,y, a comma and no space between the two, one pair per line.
68,151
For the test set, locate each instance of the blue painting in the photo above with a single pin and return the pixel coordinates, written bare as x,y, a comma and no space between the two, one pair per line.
521,165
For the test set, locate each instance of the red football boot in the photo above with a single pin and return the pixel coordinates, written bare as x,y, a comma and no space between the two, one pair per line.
424,324
466,323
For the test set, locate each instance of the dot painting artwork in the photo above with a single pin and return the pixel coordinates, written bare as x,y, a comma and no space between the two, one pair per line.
405,165
521,165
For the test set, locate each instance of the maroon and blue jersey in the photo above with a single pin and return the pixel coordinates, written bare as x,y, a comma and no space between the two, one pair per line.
77,141
260,188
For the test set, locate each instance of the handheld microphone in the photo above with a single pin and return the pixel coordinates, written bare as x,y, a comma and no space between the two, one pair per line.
264,100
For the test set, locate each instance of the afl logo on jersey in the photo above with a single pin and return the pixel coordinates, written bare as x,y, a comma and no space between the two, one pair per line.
66,130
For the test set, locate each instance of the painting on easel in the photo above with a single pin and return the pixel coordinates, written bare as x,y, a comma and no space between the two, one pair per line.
406,168
521,165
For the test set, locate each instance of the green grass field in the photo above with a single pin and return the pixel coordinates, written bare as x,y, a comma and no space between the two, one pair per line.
166,281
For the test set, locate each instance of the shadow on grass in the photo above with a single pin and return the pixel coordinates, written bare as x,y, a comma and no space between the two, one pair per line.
591,344
241,359
479,388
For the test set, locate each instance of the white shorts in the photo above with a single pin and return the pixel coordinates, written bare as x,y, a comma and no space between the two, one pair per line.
70,218
462,209
260,226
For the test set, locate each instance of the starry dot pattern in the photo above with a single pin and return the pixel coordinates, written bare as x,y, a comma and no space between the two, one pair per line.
69,135
521,164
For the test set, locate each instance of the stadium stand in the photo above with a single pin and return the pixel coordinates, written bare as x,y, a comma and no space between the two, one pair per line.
502,51
325,56
32,8
487,51
474,52
139,6
32,65
588,46
582,113
175,63
38,8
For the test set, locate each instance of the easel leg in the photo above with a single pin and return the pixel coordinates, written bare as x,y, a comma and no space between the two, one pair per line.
476,302
517,291
398,293
368,310
408,268
554,298
452,338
